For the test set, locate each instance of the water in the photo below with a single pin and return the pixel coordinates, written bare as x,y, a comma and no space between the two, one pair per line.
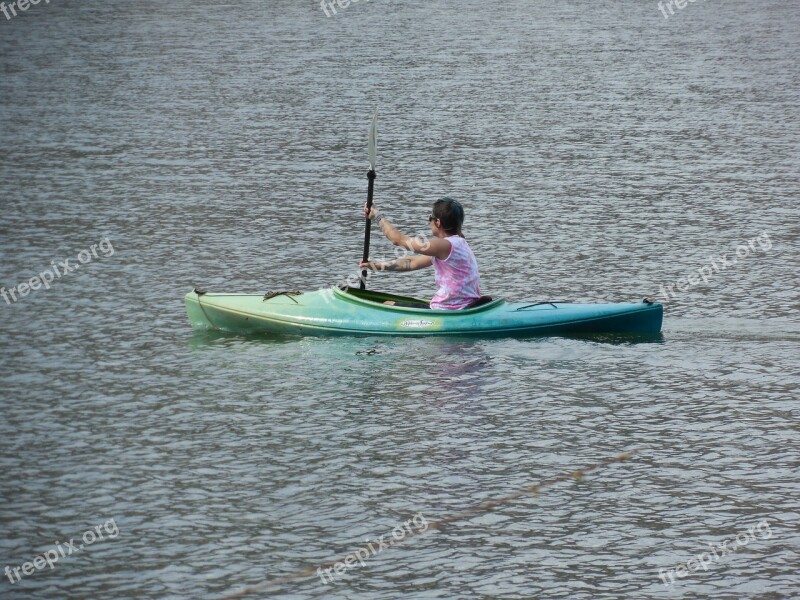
601,151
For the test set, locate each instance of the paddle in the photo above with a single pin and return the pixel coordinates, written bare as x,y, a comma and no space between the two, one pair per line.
372,150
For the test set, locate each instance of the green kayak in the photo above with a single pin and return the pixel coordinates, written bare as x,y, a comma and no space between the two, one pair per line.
351,311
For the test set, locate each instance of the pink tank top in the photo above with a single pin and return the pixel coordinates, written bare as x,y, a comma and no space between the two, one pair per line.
457,279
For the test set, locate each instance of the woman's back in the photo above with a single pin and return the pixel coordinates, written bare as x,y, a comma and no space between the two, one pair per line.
457,278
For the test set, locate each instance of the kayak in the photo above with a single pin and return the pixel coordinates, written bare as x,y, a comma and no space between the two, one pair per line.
351,311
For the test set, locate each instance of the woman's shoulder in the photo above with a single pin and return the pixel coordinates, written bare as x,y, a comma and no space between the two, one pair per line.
457,240
461,246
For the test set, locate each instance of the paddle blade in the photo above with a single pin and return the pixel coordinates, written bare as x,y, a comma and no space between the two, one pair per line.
373,140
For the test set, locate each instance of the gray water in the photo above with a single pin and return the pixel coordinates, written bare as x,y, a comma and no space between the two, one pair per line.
601,151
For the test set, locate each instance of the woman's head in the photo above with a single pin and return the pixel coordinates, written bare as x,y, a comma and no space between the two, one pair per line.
450,214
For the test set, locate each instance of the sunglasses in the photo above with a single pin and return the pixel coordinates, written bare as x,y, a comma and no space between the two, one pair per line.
431,219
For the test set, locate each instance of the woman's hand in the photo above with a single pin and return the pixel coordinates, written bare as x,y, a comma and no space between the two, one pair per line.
370,214
372,265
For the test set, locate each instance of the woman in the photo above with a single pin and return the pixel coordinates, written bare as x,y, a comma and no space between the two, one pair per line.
457,278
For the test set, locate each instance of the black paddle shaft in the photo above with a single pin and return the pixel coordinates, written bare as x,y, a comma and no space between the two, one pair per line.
370,185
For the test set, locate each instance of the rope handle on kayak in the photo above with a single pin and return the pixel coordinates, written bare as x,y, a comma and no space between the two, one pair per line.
537,304
200,293
288,294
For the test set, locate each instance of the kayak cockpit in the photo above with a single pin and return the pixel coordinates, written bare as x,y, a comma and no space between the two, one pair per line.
373,297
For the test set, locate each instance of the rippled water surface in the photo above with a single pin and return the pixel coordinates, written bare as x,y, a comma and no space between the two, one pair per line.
601,152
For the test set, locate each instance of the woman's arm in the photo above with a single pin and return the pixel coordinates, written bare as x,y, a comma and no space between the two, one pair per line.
412,263
429,247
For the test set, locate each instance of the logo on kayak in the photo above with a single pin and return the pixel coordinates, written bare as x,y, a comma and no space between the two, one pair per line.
416,323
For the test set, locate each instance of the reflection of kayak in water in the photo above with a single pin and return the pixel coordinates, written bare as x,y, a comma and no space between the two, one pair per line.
363,312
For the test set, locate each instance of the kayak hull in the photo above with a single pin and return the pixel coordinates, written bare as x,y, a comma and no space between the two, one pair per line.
351,312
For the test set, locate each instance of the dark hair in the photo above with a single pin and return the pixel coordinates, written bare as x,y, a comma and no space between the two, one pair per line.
451,214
